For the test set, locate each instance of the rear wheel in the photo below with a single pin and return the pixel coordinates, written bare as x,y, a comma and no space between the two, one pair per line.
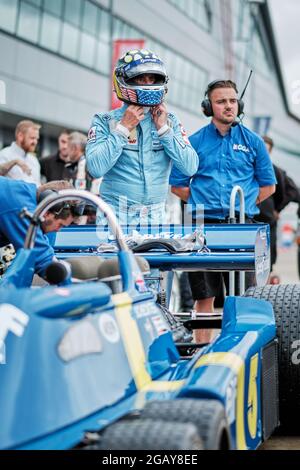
285,300
150,434
207,415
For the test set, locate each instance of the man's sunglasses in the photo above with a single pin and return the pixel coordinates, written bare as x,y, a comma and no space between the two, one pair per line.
62,210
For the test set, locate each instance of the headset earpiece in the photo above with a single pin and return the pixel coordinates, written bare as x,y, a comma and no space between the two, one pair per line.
240,107
206,107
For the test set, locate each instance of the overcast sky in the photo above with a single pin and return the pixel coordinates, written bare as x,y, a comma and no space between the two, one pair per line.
286,22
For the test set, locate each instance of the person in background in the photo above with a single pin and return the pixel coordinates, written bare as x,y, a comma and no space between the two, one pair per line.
76,172
286,192
75,169
15,195
23,149
52,167
229,154
6,167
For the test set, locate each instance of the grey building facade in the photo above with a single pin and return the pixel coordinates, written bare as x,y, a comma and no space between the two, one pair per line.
56,61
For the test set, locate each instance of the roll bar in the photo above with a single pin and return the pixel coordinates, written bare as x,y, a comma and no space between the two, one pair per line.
236,190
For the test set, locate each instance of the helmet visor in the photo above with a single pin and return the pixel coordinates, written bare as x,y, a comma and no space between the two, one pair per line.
143,66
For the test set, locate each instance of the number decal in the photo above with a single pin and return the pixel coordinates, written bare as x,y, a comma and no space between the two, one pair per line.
252,397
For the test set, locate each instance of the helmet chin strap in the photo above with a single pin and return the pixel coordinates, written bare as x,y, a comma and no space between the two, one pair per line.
146,109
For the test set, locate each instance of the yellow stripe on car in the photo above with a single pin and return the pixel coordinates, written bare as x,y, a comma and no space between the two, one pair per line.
132,339
235,363
135,349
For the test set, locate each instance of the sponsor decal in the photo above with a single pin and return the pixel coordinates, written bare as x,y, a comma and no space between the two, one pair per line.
62,291
79,340
140,284
184,134
146,309
92,134
159,324
109,328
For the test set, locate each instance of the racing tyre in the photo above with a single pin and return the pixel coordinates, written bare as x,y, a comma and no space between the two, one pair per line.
150,434
207,415
285,300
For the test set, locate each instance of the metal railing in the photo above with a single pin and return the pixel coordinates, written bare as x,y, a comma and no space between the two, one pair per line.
237,190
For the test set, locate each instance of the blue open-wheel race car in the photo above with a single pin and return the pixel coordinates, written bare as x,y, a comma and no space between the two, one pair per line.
96,362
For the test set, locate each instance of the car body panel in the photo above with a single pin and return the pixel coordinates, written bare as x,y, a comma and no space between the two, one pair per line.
78,358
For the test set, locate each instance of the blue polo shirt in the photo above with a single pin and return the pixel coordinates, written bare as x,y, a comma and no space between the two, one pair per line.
14,196
238,158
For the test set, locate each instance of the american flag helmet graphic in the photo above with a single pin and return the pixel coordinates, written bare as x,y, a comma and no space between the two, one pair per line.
136,63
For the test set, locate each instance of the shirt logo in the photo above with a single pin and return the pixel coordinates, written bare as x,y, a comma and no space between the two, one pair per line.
241,147
92,134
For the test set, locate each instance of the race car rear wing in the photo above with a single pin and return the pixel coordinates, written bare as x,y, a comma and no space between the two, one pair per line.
228,247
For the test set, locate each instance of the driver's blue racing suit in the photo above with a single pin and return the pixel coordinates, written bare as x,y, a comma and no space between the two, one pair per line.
136,169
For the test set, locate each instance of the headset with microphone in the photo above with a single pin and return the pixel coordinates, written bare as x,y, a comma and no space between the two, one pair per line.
206,103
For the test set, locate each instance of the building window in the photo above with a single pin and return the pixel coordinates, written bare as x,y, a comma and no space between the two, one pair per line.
8,15
73,11
50,32
103,57
104,26
87,49
90,17
197,10
29,21
79,30
103,50
69,43
36,3
54,7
